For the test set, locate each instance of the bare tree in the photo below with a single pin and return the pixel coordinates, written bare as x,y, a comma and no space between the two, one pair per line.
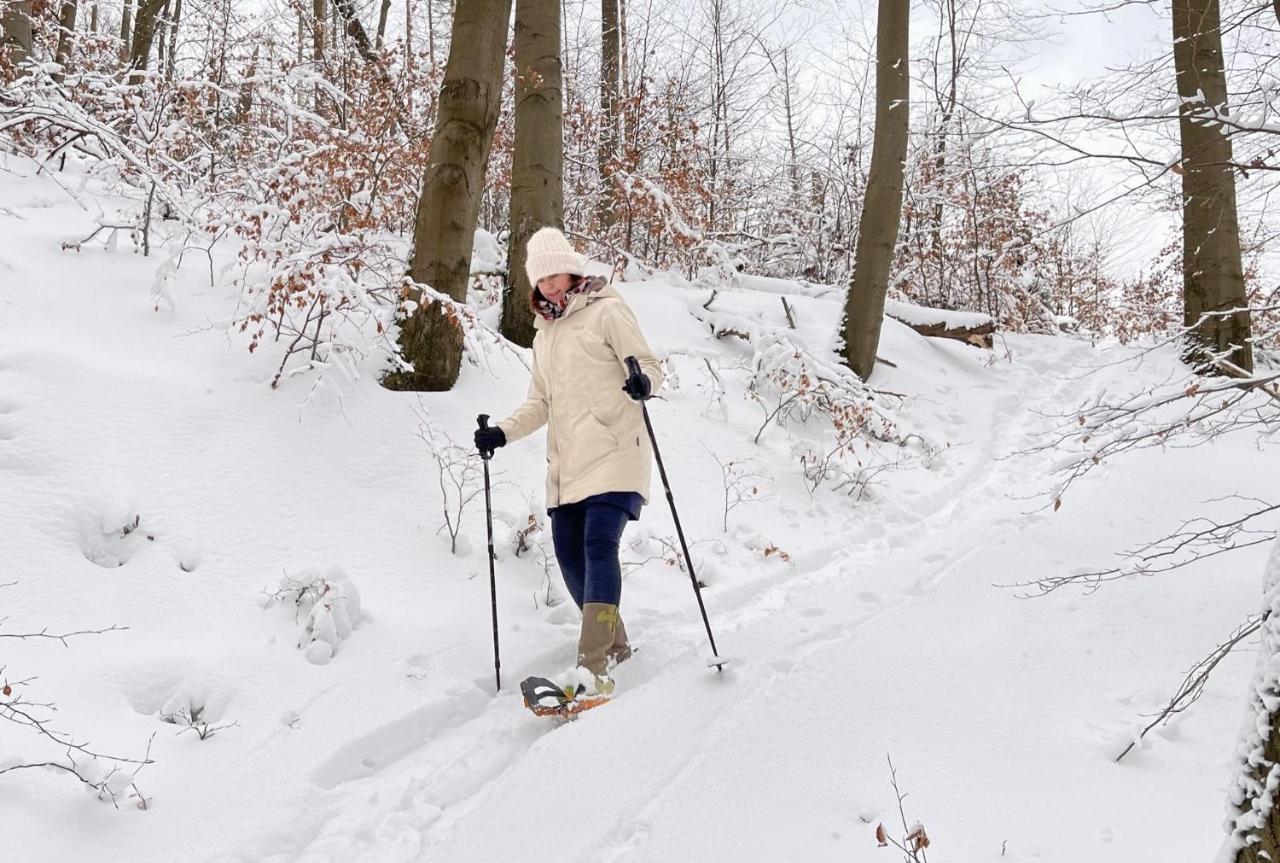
1212,273
444,228
882,207
537,172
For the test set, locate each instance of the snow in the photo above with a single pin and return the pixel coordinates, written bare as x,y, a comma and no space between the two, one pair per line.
153,479
921,316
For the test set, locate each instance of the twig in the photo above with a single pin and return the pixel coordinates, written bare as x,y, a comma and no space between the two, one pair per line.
1193,684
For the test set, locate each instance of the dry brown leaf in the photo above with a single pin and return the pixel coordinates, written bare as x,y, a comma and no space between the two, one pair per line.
880,836
918,838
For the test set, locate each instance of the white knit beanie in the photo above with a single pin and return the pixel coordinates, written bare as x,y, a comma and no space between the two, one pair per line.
550,253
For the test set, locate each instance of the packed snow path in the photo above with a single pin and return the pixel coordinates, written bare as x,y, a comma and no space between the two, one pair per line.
883,633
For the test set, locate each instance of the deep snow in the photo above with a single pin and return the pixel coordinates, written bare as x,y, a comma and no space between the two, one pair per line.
859,629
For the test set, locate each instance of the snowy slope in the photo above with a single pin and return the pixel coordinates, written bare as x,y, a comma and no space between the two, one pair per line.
882,632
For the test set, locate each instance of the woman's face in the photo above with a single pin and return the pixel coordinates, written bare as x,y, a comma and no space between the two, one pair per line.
554,287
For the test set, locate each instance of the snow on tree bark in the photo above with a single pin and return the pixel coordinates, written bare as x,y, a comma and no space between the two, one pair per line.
1254,825
66,30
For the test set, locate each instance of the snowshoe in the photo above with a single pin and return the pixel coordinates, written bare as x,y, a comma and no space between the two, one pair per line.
544,697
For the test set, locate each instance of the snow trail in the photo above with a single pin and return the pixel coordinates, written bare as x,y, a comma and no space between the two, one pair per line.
880,634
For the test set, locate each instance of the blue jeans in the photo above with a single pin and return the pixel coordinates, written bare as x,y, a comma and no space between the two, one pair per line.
586,537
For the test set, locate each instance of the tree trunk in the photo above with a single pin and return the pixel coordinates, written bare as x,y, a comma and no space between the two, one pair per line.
445,226
171,58
537,163
607,146
162,36
66,32
1255,828
318,13
244,106
382,23
17,30
882,206
144,31
355,29
1212,274
126,29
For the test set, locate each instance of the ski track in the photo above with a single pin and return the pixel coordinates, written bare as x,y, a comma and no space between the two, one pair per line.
447,775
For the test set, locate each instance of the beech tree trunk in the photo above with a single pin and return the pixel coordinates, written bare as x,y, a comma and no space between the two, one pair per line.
144,31
1212,274
355,29
537,163
162,36
66,31
17,30
448,208
126,29
174,23
882,206
607,148
382,23
244,106
318,13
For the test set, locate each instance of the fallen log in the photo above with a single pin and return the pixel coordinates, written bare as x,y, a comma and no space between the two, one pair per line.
969,327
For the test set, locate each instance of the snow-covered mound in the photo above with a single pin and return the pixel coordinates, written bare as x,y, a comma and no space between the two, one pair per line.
153,480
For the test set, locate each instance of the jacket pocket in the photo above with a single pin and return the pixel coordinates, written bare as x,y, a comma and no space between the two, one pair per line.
610,426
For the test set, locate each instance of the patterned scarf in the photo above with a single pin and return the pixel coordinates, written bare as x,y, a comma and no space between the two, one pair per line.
550,311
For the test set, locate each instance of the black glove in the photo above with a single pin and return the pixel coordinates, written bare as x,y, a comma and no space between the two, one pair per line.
489,439
638,387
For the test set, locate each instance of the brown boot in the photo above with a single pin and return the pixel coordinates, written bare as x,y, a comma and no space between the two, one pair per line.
600,629
620,651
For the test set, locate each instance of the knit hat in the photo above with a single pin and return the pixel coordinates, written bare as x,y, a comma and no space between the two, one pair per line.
550,253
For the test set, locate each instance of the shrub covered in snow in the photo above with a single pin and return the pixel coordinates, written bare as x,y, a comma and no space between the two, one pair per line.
327,608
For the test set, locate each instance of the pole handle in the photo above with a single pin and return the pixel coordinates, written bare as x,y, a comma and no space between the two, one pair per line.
483,422
633,365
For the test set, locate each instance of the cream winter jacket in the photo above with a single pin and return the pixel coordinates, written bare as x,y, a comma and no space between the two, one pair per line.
596,439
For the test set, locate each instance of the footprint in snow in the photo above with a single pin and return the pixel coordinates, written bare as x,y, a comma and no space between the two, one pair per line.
112,541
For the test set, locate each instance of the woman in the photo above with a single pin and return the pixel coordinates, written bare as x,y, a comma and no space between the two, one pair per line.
598,455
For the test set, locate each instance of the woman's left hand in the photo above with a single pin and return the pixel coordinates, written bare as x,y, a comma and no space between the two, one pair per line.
638,387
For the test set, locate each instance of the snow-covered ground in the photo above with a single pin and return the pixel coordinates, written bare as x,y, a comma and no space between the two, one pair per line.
859,629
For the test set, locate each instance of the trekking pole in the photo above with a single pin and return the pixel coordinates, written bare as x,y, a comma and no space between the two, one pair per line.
633,366
485,455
